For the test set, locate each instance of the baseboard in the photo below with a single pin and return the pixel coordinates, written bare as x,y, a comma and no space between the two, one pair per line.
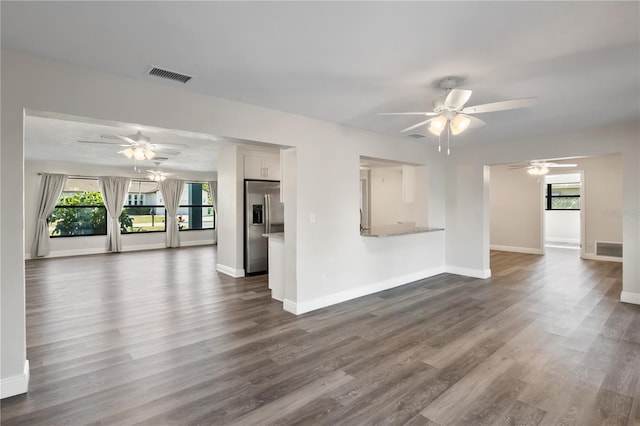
467,272
333,299
73,252
290,306
142,247
628,297
552,240
139,247
526,250
232,272
197,243
15,385
589,256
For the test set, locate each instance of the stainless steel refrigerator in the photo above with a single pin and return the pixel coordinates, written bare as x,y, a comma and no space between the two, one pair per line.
263,214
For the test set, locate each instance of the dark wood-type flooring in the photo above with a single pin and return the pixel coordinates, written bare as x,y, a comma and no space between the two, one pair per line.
160,338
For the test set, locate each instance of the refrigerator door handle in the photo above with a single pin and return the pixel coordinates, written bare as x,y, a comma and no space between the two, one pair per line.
267,213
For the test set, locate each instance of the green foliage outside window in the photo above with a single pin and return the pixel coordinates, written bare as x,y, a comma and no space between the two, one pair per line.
90,219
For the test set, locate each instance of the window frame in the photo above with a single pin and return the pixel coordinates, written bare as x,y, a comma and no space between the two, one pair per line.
83,206
213,211
549,197
151,206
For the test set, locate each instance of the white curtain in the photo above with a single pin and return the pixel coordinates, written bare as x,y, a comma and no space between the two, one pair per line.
213,188
171,190
114,191
51,187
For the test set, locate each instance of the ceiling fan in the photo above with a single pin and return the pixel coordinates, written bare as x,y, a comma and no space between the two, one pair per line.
450,113
138,146
538,168
157,175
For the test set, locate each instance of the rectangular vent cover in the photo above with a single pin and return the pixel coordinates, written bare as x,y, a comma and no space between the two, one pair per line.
416,136
159,72
608,249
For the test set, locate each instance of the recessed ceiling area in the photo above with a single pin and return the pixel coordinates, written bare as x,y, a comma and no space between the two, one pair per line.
56,138
344,62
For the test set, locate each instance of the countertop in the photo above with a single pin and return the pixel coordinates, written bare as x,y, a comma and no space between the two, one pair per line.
399,229
276,235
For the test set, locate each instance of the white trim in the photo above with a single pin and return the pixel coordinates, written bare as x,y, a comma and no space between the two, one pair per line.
139,247
467,272
551,240
228,270
628,297
72,252
526,250
15,385
589,256
333,299
290,306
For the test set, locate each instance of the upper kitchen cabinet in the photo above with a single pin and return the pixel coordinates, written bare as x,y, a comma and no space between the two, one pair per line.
265,166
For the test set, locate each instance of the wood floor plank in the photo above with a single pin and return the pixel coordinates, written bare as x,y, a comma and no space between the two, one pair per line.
159,337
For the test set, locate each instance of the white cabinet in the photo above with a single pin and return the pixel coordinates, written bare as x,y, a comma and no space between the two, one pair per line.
261,167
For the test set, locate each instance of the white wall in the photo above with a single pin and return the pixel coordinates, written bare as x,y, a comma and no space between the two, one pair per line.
468,223
516,210
98,243
334,262
230,203
562,226
387,206
516,224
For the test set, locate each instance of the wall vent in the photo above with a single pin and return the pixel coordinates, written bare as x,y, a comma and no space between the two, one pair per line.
171,75
416,135
608,249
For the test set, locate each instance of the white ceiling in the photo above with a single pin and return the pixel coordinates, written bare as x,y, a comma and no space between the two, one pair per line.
345,61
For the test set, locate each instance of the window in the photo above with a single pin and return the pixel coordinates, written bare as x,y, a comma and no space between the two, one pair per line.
196,207
144,209
563,196
80,210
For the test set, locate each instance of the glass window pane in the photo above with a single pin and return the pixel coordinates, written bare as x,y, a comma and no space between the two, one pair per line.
560,203
75,221
142,219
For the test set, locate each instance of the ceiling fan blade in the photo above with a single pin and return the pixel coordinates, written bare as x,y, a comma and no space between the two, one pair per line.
456,99
127,139
422,123
408,113
516,167
101,142
474,122
167,151
501,106
560,165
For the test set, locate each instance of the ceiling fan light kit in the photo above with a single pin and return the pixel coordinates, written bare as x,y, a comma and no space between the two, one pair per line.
138,153
538,170
451,113
156,176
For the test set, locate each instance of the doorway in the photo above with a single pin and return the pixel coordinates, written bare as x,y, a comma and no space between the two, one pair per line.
563,213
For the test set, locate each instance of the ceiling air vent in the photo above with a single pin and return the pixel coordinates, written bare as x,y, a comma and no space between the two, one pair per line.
416,135
171,75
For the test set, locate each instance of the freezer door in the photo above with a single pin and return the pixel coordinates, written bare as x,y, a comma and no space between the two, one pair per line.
255,245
